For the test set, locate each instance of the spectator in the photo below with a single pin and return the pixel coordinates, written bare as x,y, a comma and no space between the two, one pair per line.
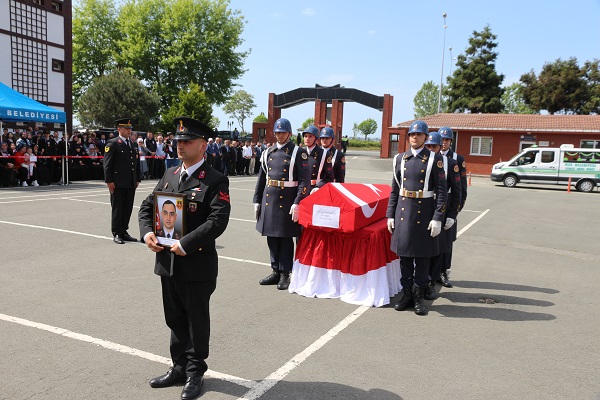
247,156
150,145
8,173
22,167
159,165
143,153
41,166
94,163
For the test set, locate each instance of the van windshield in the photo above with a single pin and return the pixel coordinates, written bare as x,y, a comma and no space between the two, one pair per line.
526,158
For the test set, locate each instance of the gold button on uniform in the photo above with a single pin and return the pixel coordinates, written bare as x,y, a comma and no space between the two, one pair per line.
281,197
418,222
421,181
402,208
267,194
401,219
266,204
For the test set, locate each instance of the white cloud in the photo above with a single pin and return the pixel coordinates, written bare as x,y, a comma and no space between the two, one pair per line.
309,12
371,32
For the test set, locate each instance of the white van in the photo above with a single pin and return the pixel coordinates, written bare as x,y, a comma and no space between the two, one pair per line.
551,166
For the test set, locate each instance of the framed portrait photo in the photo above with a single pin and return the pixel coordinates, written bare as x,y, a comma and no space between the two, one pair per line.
169,217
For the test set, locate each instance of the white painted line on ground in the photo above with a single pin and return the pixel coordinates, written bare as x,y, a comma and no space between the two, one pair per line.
120,348
56,230
247,190
295,361
243,220
90,201
463,230
244,261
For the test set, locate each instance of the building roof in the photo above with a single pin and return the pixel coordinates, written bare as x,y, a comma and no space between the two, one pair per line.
513,122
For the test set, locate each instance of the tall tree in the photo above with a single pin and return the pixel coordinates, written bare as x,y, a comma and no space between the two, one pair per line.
426,100
513,101
475,84
191,102
367,127
261,118
560,87
591,71
240,106
118,95
308,122
94,42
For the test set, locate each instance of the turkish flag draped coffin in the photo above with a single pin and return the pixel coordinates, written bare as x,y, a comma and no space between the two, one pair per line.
344,207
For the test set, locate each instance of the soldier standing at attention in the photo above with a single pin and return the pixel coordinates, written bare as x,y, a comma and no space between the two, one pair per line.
122,176
447,138
415,212
338,160
188,270
283,180
321,171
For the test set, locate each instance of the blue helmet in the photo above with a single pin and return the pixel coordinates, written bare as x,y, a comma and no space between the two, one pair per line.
282,125
446,133
418,127
434,138
313,130
327,132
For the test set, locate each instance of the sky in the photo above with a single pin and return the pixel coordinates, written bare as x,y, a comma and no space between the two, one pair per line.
394,46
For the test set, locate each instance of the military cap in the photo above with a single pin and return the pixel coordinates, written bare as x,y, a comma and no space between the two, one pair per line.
124,123
189,129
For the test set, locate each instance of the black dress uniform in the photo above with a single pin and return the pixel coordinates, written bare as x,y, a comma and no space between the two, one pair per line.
338,163
421,199
186,293
283,180
121,167
319,165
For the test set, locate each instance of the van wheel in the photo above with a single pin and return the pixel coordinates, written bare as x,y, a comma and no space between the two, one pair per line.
510,180
585,186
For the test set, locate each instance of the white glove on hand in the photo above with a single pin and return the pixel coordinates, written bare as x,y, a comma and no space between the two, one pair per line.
449,223
294,211
256,210
435,227
390,223
314,190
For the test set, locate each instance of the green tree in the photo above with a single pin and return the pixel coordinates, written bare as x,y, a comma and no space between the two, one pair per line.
355,130
192,103
94,42
214,123
173,43
560,87
261,118
308,122
426,100
240,107
591,71
475,84
367,127
118,95
513,101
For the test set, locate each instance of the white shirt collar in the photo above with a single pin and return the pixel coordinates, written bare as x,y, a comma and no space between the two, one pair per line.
190,171
279,146
444,152
417,151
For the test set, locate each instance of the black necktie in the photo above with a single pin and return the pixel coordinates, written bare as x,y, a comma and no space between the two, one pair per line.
127,141
168,235
183,178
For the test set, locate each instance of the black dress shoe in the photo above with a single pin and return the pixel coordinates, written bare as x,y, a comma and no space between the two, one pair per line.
430,293
118,239
444,280
284,282
272,279
128,238
169,379
192,388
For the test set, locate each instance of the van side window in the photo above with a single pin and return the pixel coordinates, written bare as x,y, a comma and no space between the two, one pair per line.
547,156
527,158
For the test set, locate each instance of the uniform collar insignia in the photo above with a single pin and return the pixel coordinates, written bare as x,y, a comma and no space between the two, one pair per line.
176,171
202,174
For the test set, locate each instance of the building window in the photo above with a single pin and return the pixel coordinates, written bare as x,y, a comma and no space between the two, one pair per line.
590,144
58,65
56,6
39,2
481,146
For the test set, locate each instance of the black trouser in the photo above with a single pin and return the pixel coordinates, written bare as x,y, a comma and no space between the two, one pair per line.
281,250
246,166
447,259
121,201
415,270
435,267
186,307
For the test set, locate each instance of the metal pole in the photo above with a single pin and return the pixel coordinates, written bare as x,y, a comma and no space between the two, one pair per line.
451,60
439,109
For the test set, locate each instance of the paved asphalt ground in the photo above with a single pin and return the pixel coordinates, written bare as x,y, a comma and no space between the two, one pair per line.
81,317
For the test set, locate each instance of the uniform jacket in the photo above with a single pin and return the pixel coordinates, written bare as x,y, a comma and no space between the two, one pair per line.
338,161
207,207
121,164
411,238
446,237
314,162
462,167
275,219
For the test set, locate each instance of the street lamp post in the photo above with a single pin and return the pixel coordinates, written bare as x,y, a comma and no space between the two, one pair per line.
439,109
451,61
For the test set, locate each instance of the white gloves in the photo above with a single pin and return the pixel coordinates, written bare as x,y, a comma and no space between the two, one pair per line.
256,210
435,227
449,223
390,223
314,190
294,211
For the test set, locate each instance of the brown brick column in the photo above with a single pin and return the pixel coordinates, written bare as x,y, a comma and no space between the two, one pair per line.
273,114
320,113
337,119
386,123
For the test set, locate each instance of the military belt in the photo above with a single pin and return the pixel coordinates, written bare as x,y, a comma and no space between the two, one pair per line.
276,183
416,194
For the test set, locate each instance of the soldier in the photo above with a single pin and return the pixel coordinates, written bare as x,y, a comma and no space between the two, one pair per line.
283,180
169,218
338,160
434,144
447,138
122,176
321,171
415,211
189,269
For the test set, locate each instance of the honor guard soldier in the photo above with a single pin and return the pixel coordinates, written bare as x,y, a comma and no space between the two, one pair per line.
447,138
321,171
434,144
122,176
188,270
415,212
335,157
283,180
